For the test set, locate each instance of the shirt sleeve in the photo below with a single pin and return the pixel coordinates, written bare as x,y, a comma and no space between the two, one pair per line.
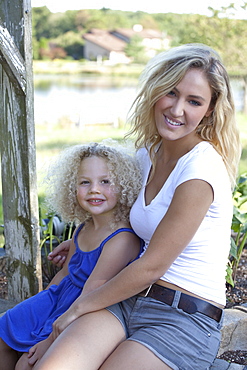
206,165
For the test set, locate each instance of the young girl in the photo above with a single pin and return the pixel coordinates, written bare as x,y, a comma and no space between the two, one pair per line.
93,185
171,300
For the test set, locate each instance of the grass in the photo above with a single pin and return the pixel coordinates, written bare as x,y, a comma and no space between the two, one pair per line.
242,124
50,140
85,67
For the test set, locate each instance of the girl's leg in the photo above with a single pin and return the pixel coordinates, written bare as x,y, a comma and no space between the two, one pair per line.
131,355
22,364
85,344
8,356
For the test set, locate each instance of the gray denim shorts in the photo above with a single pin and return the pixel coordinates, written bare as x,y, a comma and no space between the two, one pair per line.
182,341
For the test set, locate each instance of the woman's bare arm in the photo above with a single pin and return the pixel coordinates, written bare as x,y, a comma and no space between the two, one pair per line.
189,206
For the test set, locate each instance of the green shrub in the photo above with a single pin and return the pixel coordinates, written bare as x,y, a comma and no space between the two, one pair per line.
239,227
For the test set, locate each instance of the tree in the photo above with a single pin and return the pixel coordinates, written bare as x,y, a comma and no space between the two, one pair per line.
95,20
72,43
56,52
221,31
43,48
81,19
61,23
135,50
40,21
115,19
147,21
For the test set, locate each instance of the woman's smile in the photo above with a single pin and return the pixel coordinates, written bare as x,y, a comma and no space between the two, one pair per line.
172,122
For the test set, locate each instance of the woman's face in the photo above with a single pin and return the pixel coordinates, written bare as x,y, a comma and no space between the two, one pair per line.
178,113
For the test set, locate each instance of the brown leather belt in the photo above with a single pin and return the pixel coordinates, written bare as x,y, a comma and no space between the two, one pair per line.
186,302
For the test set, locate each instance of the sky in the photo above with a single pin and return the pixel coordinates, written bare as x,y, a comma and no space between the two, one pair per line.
153,6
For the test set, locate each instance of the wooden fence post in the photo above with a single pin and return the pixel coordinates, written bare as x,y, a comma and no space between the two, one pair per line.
17,140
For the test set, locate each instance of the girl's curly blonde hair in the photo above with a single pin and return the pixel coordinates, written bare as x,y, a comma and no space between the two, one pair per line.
61,180
162,74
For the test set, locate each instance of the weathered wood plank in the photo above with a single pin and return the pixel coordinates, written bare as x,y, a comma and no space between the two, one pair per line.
12,60
17,143
20,224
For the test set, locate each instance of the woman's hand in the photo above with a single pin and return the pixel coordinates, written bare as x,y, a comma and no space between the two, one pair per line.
59,254
62,322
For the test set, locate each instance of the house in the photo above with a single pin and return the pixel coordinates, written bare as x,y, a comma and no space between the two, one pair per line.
102,45
152,40
110,45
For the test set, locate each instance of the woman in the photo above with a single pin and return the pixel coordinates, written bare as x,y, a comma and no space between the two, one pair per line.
171,299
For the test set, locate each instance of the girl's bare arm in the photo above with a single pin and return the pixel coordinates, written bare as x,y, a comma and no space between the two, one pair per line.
189,206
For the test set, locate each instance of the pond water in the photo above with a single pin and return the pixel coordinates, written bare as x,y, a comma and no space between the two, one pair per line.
82,99
91,99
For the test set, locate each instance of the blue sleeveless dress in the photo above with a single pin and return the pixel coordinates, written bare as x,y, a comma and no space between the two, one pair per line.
31,321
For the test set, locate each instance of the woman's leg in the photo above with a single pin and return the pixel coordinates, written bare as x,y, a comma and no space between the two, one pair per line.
131,355
8,356
85,344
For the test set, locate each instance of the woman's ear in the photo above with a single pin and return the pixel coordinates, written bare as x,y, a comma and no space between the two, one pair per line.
209,111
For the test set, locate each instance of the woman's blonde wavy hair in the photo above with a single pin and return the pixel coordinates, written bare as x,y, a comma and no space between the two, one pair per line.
162,74
61,180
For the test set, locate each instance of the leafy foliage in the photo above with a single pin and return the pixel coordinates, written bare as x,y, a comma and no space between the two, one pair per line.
136,50
52,232
72,43
239,227
218,30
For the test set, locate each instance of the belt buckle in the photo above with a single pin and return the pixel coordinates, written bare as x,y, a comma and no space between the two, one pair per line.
148,290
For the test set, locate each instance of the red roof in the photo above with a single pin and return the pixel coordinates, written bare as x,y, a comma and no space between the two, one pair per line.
144,33
105,40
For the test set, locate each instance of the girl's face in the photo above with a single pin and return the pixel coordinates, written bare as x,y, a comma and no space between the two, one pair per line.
95,193
178,113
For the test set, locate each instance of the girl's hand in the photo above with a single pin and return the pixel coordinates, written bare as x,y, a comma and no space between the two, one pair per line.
38,350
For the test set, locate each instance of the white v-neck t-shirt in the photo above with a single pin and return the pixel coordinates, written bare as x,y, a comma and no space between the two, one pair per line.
201,267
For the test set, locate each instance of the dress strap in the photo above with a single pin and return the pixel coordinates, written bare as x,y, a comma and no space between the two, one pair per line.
118,231
76,234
